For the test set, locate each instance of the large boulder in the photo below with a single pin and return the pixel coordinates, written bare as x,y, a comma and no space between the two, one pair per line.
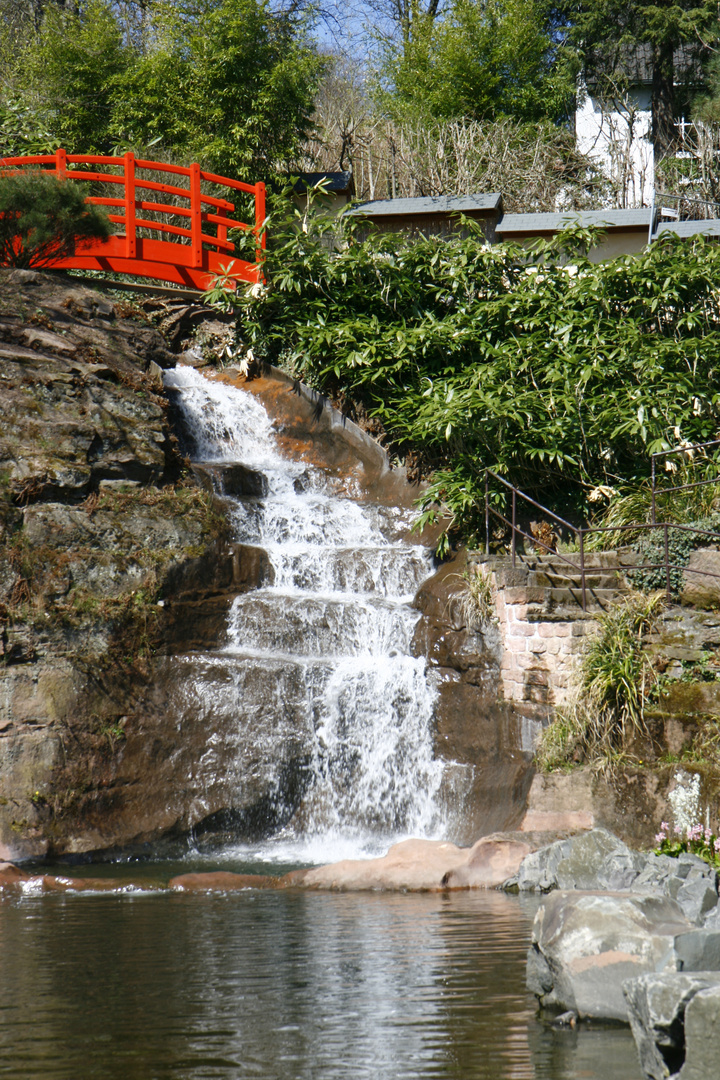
657,1007
591,860
585,944
423,864
598,860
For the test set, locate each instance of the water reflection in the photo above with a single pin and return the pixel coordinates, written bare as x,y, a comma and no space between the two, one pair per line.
278,985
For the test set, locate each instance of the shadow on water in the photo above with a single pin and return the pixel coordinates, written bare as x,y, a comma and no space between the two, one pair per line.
284,985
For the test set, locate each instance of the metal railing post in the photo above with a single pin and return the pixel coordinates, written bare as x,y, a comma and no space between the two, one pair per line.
513,527
581,539
652,474
130,228
667,562
487,514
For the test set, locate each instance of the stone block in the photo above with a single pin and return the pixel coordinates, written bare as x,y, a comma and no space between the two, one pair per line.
537,645
554,630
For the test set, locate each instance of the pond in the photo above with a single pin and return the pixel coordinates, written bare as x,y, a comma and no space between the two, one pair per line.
148,985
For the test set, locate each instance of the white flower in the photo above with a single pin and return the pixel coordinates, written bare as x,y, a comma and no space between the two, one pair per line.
602,491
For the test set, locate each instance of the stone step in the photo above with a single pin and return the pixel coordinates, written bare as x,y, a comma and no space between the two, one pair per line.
596,560
593,579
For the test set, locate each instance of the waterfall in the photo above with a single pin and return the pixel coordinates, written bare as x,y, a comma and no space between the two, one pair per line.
320,655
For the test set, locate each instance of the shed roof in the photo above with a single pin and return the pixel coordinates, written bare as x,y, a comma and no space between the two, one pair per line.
432,204
691,228
511,224
335,181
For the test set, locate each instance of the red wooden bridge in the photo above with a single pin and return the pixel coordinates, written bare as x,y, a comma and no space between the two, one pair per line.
198,247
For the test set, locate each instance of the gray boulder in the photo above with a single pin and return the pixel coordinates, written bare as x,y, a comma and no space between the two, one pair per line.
598,860
657,1007
698,950
586,944
702,1036
591,860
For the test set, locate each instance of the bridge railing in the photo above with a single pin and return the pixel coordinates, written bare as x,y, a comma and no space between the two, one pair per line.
199,248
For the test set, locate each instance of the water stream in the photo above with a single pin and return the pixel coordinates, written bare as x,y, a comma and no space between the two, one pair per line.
142,983
318,657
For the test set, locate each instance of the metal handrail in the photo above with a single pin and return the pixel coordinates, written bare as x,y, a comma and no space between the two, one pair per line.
679,487
582,533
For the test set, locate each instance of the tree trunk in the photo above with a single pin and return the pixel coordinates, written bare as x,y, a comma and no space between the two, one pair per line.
663,101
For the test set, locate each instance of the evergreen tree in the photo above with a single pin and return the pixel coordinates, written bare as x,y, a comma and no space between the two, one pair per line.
614,38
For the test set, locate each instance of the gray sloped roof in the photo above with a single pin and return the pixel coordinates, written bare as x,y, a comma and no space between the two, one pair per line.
691,228
334,181
540,223
433,204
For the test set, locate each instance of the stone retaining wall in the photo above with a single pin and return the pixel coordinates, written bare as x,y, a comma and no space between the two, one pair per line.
539,655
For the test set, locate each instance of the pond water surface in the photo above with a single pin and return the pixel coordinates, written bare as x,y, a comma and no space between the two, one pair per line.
292,985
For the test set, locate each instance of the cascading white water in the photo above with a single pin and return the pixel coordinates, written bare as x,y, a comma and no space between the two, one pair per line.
323,653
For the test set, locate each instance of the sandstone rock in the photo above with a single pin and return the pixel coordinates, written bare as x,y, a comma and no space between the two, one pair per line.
409,865
491,861
557,820
657,1005
702,1035
585,944
221,881
11,876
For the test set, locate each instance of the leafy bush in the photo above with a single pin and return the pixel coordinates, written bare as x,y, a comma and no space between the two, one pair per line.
41,218
562,377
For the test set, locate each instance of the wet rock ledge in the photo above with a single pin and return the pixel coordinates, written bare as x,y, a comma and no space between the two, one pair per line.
112,559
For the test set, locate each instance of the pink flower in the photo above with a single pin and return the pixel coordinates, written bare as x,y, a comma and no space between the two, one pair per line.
695,832
664,827
659,837
716,845
678,830
708,836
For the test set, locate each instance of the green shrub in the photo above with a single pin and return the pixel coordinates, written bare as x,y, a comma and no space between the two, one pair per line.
561,377
617,679
42,218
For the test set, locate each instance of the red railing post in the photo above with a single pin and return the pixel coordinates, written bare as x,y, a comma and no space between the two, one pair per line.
61,163
259,231
130,229
196,215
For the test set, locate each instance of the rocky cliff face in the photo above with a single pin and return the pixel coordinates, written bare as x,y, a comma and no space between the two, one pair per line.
112,557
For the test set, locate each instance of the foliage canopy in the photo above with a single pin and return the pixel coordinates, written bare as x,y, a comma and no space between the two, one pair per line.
562,376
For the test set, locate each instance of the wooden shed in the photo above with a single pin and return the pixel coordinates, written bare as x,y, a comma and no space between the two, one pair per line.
627,231
435,215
